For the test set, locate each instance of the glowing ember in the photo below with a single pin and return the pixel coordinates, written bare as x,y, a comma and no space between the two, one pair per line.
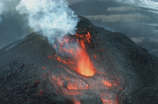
75,87
106,83
76,101
44,68
83,64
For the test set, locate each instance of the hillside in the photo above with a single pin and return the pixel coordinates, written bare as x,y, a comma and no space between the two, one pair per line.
28,65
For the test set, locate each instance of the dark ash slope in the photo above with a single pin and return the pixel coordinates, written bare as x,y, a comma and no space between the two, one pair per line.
21,72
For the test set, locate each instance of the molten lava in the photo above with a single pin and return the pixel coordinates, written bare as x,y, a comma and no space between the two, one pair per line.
74,86
84,66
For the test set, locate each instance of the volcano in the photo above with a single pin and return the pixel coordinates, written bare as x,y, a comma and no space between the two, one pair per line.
103,67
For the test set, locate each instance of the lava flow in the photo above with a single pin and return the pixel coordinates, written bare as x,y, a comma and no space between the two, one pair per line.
83,64
90,81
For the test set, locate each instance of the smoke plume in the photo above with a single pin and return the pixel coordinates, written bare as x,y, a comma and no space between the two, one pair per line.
53,18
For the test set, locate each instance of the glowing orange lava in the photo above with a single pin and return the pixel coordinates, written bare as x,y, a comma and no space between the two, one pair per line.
75,86
84,66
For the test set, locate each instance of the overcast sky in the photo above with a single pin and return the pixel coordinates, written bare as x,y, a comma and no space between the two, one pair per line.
135,18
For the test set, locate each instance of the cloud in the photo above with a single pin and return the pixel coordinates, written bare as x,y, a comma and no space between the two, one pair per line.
119,17
122,9
151,4
142,39
1,6
74,1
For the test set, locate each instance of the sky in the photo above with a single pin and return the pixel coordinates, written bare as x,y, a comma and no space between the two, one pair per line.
137,19
150,4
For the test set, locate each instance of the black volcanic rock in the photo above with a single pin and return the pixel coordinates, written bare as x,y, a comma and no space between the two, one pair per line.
25,67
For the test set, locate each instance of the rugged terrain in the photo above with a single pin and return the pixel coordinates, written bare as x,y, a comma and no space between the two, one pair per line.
26,67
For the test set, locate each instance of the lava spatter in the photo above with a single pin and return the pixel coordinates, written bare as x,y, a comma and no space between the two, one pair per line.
88,81
83,64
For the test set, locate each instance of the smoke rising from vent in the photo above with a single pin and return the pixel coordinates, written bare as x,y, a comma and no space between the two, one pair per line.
53,18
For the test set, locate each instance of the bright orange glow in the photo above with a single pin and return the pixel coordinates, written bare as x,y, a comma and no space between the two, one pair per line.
76,86
76,101
84,38
44,68
105,101
108,84
72,85
50,57
108,99
84,65
82,61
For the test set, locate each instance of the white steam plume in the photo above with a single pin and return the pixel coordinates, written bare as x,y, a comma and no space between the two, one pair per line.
151,4
53,18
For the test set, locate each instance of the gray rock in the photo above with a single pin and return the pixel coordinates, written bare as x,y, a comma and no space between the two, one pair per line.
24,81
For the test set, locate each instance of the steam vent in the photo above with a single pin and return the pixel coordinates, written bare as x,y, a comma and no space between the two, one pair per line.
94,66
